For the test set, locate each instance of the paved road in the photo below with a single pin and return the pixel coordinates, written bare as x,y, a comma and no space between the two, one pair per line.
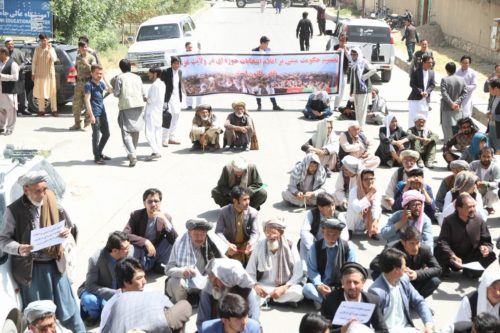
104,196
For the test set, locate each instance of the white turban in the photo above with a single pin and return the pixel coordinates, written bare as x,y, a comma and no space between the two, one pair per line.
239,164
33,177
39,309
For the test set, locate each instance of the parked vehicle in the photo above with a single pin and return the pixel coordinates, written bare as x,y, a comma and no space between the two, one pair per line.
374,39
158,39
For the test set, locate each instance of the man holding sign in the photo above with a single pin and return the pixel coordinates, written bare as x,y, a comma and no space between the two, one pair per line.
41,273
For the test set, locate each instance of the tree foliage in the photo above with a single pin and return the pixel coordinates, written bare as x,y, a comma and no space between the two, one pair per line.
101,20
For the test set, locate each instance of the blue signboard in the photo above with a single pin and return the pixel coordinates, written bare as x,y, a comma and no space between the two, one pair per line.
25,18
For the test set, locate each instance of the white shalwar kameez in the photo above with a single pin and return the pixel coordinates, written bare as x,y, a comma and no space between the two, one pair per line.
8,102
153,114
470,79
418,107
174,107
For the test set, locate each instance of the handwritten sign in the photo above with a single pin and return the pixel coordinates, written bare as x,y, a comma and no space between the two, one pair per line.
360,311
48,236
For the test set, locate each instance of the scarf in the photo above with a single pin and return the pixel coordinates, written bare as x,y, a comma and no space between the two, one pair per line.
474,146
359,66
232,177
49,215
489,277
321,139
414,195
359,185
185,250
299,172
387,124
285,260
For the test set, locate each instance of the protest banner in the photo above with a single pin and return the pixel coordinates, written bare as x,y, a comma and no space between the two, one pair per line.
261,74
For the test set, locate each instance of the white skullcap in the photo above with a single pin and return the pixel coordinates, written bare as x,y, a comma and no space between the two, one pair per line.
39,309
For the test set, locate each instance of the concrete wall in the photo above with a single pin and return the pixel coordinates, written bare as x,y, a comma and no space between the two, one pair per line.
396,6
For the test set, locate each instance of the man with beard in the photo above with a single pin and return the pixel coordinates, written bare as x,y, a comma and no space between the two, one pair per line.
464,238
9,81
41,318
18,56
488,173
355,143
417,57
446,185
275,265
237,225
461,140
153,114
424,141
226,276
239,128
346,180
408,159
422,84
190,256
205,129
353,280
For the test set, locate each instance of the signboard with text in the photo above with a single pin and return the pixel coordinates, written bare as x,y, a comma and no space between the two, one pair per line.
25,18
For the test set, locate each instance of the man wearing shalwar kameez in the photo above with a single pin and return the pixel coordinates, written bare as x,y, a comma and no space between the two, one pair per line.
173,97
325,143
153,113
360,72
9,76
422,84
43,74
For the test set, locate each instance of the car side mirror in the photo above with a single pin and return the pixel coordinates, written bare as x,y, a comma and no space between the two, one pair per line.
329,32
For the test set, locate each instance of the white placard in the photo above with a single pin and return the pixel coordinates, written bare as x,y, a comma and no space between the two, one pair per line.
48,236
198,279
360,311
475,266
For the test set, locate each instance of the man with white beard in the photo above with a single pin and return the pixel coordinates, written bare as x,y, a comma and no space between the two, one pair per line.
276,266
224,276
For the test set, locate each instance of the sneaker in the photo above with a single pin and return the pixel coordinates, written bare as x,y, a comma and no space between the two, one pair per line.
277,108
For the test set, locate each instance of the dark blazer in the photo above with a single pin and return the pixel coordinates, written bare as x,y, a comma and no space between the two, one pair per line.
417,85
100,276
136,229
332,303
226,224
167,76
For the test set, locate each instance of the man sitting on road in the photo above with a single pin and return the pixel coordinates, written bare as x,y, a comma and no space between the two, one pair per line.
423,141
318,106
355,143
488,173
408,158
346,180
239,127
447,183
461,140
41,318
205,129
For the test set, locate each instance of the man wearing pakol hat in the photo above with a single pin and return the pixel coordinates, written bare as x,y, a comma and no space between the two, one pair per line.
423,141
240,128
353,278
40,274
237,225
190,255
240,173
41,318
355,143
488,173
447,183
364,210
326,257
226,276
276,266
413,215
346,180
312,228
409,159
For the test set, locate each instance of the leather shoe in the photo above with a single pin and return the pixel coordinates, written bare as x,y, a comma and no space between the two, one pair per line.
55,114
277,108
173,142
40,114
106,158
25,113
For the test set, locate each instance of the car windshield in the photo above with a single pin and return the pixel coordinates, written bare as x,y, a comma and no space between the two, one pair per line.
72,54
161,31
363,34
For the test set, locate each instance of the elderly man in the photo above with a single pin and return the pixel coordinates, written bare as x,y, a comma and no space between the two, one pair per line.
423,269
151,232
353,280
275,265
346,180
189,257
205,129
226,276
239,128
355,143
240,173
423,141
461,140
397,295
237,225
364,206
415,182
488,173
9,84
40,273
18,56
325,259
408,158
447,183
101,283
312,227
464,238
41,318
411,214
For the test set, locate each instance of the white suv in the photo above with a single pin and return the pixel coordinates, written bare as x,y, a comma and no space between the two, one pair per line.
374,39
159,38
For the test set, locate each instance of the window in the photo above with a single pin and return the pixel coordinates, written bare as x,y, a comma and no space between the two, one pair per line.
365,34
154,32
186,27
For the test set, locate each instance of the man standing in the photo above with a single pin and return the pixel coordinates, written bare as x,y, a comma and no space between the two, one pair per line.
397,295
191,99
153,113
237,225
264,48
304,32
83,64
151,232
423,140
131,96
40,274
275,265
240,173
470,78
100,284
94,103
488,173
9,82
417,57
172,77
353,280
43,75
453,94
320,16
41,318
411,37
20,59
422,84
342,45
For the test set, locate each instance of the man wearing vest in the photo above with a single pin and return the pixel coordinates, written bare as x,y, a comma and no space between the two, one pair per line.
325,259
9,76
131,97
18,56
355,143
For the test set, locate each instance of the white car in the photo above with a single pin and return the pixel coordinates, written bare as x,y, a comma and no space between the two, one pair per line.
10,190
159,38
374,39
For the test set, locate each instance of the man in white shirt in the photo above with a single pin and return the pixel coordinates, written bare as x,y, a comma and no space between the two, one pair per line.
488,173
173,98
470,79
9,76
153,113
